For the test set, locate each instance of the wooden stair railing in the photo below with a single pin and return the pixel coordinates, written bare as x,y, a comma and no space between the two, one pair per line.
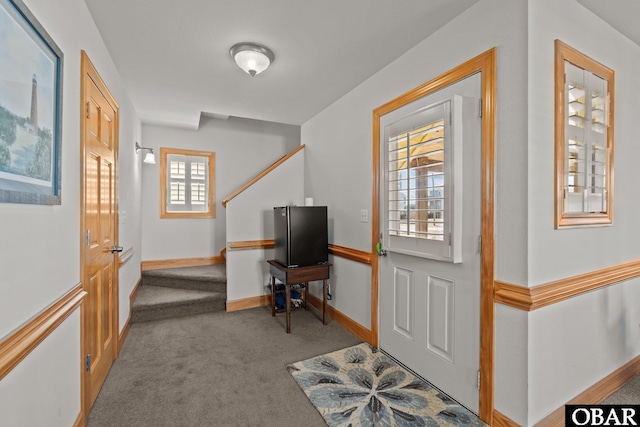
261,174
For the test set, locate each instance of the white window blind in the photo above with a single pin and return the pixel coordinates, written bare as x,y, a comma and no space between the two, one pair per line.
177,193
198,193
416,182
586,151
177,169
198,170
187,183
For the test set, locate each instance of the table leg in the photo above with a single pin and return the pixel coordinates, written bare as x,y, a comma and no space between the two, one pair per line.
288,302
273,296
306,295
324,302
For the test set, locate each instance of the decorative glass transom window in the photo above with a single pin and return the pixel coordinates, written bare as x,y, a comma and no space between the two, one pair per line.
584,139
187,183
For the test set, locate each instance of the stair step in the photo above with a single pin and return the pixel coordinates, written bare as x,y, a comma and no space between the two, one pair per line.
158,302
173,292
205,278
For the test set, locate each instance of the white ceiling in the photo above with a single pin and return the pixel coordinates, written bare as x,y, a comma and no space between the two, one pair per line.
174,55
622,15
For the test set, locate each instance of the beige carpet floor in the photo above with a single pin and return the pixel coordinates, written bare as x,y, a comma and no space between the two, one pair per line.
216,369
225,369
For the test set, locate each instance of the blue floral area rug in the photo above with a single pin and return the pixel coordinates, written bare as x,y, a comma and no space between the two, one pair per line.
360,386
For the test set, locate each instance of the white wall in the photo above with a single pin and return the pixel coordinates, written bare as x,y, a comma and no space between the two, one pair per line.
589,248
130,209
574,344
40,250
349,282
44,389
511,372
338,170
243,148
528,384
250,217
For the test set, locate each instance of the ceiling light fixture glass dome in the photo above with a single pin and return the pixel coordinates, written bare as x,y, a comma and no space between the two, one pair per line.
252,58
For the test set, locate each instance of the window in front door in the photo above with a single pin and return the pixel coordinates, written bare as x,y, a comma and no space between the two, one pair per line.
420,155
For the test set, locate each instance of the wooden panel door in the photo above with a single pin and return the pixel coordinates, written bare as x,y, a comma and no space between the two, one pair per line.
99,230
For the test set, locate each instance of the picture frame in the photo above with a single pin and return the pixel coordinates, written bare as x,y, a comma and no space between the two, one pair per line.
31,66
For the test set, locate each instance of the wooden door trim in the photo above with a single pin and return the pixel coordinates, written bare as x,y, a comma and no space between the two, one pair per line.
485,64
87,69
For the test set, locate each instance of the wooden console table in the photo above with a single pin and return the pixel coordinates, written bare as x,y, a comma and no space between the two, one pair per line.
294,275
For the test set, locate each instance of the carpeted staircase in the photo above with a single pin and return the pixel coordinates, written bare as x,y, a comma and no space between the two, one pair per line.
173,292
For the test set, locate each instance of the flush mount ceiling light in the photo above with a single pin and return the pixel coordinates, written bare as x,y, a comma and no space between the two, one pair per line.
252,58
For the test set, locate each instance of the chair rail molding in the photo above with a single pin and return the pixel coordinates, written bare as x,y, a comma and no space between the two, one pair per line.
18,345
536,297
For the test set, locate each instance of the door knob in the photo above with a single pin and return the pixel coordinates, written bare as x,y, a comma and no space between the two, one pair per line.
381,252
115,248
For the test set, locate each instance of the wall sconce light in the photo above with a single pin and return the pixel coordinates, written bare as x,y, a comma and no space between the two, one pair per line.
252,58
149,157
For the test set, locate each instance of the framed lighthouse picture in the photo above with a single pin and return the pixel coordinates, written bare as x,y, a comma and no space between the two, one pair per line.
30,109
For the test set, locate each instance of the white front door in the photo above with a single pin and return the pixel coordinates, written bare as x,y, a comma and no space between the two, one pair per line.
430,207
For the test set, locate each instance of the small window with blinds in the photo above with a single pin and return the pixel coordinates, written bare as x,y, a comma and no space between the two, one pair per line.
420,149
584,139
416,182
187,183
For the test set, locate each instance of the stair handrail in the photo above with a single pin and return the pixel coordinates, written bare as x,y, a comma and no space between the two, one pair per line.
262,174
